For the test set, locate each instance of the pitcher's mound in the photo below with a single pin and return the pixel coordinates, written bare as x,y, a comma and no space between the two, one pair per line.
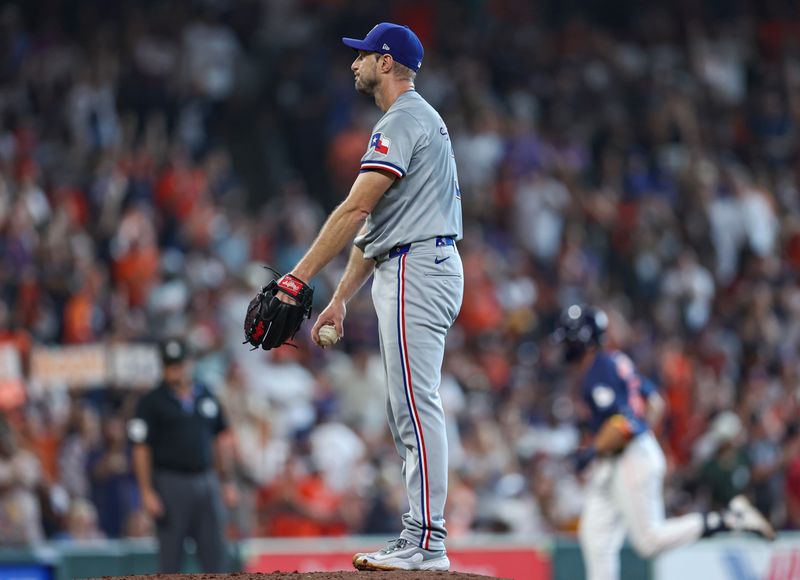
400,575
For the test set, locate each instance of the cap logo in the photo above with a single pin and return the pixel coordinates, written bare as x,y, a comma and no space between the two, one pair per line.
173,350
385,46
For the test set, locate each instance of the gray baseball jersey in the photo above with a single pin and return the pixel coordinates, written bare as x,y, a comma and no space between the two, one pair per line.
417,290
411,141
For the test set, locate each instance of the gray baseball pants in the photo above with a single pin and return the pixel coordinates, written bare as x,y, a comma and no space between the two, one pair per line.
417,292
193,508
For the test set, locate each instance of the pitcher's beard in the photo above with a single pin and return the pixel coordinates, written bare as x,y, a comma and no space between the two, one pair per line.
366,87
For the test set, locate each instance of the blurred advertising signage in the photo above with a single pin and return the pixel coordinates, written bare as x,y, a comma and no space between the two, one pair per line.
520,563
87,366
12,386
71,366
134,365
733,559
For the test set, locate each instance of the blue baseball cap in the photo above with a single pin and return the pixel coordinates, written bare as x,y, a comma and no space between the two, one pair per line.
398,41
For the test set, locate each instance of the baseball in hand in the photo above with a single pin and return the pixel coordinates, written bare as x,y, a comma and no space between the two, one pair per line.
328,335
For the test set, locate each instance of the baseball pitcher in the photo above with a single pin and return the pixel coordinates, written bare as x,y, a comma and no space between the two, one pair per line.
405,206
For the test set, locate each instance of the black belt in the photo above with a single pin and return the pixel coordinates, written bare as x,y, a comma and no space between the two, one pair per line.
182,471
440,241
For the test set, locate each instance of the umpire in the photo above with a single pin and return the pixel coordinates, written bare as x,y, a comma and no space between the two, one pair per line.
178,433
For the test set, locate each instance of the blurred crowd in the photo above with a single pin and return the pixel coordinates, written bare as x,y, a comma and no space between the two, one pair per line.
642,156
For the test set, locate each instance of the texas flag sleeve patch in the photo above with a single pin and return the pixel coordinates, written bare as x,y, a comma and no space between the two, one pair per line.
381,156
380,143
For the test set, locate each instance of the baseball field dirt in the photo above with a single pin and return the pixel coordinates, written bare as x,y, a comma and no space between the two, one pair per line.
312,576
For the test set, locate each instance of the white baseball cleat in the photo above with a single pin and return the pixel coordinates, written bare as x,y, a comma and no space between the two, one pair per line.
742,516
401,554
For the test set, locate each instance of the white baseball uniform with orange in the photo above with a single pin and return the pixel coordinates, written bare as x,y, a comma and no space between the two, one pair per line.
625,492
417,291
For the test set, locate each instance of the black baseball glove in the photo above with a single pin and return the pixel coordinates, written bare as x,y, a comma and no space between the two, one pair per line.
271,322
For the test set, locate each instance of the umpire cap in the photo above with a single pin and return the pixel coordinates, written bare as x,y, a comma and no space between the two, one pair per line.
579,327
173,351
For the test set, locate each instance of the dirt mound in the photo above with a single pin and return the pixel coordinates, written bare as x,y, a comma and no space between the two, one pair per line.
313,576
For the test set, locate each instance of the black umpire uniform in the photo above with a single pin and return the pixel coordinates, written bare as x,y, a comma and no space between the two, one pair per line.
175,432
